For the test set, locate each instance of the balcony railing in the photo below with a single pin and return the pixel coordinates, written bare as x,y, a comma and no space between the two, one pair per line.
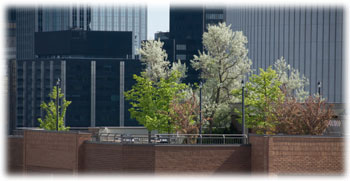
173,138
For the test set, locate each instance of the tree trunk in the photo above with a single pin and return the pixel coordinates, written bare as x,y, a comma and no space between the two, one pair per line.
234,122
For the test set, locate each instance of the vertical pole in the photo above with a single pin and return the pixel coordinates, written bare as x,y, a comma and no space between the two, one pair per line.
149,137
243,114
200,108
57,99
168,126
319,88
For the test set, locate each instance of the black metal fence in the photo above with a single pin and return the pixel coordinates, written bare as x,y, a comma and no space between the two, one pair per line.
173,138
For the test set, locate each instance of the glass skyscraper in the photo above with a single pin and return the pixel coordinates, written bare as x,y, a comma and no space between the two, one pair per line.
309,38
121,18
90,78
96,18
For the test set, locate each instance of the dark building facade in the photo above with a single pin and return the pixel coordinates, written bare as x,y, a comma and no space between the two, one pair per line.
161,35
311,39
11,66
29,20
93,78
187,25
78,43
94,85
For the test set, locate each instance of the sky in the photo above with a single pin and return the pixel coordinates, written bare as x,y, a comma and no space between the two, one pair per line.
158,19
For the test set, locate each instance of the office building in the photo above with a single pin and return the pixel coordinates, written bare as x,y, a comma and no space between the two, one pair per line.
79,43
93,76
96,18
11,66
187,25
161,35
309,38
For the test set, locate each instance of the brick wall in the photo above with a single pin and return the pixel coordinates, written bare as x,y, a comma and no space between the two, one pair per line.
297,154
209,159
117,158
68,152
259,154
52,152
15,154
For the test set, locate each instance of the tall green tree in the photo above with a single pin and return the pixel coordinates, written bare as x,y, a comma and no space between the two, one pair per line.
151,100
50,120
158,85
223,64
262,91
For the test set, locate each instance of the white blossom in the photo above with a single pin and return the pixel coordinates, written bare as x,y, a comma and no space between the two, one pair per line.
156,61
223,64
293,82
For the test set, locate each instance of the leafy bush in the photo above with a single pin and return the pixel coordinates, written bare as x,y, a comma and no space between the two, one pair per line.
308,118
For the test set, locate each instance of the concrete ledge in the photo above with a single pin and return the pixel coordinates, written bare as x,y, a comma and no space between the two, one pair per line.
296,136
152,144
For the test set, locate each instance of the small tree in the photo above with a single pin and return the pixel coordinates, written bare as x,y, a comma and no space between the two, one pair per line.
151,101
262,91
184,115
309,118
49,123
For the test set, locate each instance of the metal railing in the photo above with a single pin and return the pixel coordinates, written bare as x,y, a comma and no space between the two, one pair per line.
174,138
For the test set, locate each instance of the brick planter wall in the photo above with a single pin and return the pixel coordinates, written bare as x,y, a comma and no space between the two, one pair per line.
70,152
297,155
15,154
126,158
208,159
52,152
117,158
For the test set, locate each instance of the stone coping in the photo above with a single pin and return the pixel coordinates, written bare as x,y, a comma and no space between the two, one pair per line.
296,136
184,145
61,132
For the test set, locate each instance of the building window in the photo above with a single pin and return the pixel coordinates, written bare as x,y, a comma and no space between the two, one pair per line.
88,18
109,18
181,47
81,17
122,20
181,57
40,19
129,17
214,16
116,19
74,17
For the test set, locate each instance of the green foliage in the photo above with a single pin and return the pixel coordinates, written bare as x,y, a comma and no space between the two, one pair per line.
262,91
49,123
150,101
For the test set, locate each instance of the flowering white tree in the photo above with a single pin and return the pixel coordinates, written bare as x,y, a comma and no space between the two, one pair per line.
292,81
155,59
223,65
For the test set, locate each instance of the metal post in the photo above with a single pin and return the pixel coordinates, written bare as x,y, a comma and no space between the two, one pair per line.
319,88
57,102
200,108
149,137
243,114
